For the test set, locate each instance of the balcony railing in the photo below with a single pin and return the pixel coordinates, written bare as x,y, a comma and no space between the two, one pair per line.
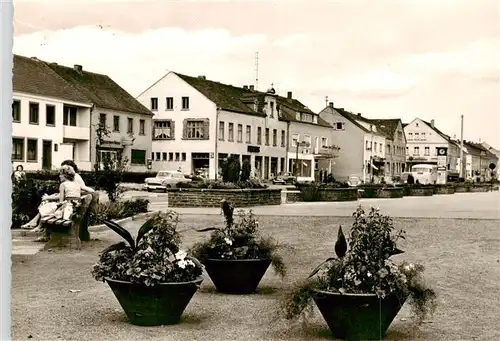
76,133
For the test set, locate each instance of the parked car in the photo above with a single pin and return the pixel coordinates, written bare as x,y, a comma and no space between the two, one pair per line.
164,180
285,178
354,181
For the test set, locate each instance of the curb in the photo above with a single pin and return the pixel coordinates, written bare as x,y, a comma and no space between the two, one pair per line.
94,228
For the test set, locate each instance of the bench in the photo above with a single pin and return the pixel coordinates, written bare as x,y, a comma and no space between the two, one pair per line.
70,232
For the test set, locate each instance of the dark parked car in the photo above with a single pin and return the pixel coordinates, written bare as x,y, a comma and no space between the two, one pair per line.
285,178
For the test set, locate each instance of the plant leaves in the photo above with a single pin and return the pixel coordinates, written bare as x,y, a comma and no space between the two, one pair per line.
114,247
315,271
341,244
195,261
208,229
121,231
145,228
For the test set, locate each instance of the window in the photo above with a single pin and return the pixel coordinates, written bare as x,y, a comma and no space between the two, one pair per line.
416,151
240,133
338,125
116,123
194,130
400,135
295,139
271,106
16,111
152,156
427,151
410,136
50,115
185,103
164,156
163,130
388,149
177,156
407,151
169,105
375,147
422,136
17,149
248,133
34,107
158,154
69,116
183,156
267,136
368,144
32,150
275,137
417,137
171,156
324,142
142,127
138,157
259,135
230,132
130,125
283,138
221,131
102,119
154,103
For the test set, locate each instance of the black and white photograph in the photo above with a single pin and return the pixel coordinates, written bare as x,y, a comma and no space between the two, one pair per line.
261,170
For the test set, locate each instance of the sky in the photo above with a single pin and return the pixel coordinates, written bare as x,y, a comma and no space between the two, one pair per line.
432,59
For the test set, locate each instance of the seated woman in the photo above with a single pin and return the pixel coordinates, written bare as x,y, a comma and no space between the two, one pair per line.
48,205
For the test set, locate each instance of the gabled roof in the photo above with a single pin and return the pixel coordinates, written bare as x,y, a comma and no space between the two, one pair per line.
33,76
241,100
226,97
388,126
100,89
445,136
353,118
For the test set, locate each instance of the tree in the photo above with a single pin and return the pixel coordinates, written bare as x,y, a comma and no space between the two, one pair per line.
231,169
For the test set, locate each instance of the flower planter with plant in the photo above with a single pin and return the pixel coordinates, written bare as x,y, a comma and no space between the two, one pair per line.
236,256
361,291
151,278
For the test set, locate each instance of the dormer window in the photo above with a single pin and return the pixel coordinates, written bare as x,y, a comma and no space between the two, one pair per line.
297,116
315,119
307,117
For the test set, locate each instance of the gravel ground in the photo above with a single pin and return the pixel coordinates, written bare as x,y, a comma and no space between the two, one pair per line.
461,256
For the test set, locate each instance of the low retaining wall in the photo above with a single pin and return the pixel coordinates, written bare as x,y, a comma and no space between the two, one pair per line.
419,191
324,194
196,197
381,193
444,190
480,188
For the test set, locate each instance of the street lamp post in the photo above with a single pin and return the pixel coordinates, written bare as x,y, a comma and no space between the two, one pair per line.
299,144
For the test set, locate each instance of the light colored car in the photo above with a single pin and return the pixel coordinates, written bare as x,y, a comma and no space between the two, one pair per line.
354,181
164,180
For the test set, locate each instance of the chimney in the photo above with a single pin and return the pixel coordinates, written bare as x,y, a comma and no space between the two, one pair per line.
202,77
330,105
432,123
251,87
245,87
289,95
78,68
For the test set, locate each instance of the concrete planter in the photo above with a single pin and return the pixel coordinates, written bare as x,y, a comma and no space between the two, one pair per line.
420,191
381,192
462,188
339,194
444,189
203,197
480,188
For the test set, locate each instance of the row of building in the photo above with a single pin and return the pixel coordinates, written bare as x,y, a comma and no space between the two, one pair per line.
193,123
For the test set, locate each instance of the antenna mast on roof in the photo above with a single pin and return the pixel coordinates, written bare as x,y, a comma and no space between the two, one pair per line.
256,70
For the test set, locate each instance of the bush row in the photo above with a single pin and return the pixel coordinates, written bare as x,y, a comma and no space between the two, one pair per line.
218,184
91,178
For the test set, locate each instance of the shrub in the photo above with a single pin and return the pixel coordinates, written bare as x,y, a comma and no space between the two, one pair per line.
311,192
27,196
153,257
117,210
231,168
246,169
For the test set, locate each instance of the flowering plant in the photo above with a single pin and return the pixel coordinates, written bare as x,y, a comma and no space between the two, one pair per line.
154,257
239,239
363,266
